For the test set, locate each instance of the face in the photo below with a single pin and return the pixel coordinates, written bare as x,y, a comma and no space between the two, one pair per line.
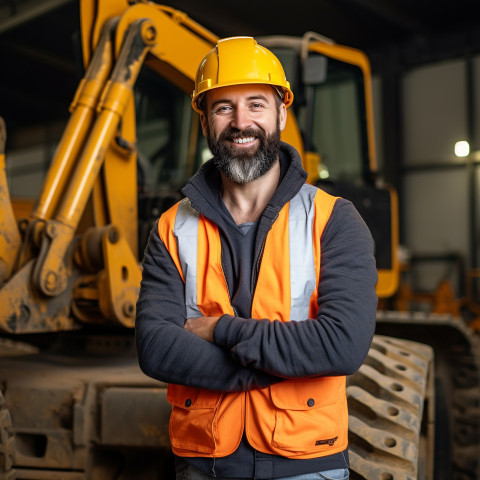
242,125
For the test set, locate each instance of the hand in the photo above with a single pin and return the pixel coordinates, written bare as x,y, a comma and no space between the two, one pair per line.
203,327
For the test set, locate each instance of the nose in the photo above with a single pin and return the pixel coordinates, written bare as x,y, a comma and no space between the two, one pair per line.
241,119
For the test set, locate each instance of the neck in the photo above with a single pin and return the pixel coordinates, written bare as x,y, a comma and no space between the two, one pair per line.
246,202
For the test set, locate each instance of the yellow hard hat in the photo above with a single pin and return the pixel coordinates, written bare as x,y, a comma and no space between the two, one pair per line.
240,61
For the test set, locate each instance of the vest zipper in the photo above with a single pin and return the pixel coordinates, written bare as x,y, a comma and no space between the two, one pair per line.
258,260
235,313
256,269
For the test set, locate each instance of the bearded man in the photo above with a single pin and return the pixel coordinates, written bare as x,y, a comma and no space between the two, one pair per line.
258,291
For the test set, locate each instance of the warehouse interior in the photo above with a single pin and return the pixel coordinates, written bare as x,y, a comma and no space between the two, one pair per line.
425,65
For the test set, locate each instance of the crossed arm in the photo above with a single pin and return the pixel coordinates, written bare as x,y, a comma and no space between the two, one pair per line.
231,353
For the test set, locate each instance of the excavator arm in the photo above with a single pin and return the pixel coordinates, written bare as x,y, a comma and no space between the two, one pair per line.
79,246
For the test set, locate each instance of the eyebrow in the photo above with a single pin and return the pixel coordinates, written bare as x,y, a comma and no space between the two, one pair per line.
229,102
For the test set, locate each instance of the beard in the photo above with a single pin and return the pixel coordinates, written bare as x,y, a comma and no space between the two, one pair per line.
244,167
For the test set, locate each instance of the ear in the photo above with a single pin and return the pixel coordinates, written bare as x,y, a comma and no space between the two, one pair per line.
204,123
282,116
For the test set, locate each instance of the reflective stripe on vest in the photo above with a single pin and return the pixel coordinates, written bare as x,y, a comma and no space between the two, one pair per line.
302,269
186,233
302,262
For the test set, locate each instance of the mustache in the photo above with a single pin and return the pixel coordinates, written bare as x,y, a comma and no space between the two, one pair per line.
232,133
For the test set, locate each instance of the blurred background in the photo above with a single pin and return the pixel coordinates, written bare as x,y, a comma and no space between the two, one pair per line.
426,85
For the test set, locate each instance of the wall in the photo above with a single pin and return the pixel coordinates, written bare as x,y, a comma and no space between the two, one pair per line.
438,217
28,154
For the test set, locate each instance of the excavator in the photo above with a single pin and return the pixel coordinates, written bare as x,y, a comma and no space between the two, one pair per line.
74,404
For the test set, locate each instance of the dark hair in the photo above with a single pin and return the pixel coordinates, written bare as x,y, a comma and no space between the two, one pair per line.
279,98
200,102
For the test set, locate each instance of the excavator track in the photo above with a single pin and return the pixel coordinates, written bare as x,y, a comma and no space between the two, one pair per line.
388,398
7,447
456,387
9,348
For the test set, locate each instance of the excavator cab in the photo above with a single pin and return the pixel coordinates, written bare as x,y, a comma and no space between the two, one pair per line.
169,148
334,112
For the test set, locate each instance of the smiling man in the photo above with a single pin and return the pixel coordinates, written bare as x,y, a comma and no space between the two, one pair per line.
258,291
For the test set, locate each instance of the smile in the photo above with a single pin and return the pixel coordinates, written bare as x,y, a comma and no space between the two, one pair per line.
243,140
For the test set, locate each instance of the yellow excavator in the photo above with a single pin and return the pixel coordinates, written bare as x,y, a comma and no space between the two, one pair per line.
73,402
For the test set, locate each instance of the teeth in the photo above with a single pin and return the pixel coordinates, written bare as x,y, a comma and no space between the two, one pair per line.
243,140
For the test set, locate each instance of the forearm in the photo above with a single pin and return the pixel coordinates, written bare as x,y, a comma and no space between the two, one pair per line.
183,358
313,347
337,340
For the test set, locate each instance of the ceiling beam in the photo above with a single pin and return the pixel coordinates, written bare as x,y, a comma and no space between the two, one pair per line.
28,11
49,59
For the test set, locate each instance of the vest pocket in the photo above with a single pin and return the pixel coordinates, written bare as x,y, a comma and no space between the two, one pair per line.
193,422
309,416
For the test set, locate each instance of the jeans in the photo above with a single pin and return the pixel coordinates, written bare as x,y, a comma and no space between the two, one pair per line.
191,473
337,474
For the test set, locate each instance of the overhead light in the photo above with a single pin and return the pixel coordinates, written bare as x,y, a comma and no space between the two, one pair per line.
462,149
323,172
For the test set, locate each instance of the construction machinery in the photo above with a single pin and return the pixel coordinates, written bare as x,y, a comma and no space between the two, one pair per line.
73,402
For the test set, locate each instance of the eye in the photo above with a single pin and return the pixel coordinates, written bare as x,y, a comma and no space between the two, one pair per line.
223,109
257,106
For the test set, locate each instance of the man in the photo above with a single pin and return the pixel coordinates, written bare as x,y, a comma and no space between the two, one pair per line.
258,291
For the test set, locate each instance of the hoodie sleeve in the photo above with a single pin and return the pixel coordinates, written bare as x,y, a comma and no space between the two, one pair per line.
168,352
337,340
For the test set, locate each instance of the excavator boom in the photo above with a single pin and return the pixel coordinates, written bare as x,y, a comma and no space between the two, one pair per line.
49,267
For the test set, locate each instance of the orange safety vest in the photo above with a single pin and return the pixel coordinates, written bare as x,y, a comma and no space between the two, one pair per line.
299,418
